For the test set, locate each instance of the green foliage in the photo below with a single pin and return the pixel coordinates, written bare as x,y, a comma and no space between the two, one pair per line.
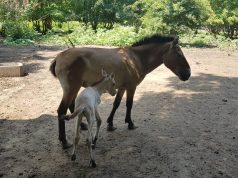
7,10
169,16
117,22
43,12
82,35
19,30
224,18
101,12
13,26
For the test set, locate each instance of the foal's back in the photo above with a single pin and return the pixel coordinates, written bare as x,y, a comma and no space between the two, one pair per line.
88,97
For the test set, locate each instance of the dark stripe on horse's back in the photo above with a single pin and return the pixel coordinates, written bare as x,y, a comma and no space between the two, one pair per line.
157,38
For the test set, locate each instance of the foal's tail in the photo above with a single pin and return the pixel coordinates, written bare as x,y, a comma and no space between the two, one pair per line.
52,67
78,111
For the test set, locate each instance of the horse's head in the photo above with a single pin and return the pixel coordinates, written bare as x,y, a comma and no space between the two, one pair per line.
110,84
176,61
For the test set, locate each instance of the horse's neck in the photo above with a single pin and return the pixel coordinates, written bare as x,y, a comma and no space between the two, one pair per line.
149,56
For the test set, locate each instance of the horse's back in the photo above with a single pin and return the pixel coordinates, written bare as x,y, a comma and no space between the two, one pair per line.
85,64
91,57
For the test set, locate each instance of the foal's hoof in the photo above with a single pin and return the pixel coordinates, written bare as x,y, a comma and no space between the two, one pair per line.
132,126
84,126
73,157
111,128
66,145
94,142
93,164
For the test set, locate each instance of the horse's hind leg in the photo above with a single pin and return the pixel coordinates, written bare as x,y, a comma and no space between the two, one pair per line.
116,104
72,105
129,102
62,110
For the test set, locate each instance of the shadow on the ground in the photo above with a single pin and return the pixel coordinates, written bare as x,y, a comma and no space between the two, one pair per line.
189,131
30,56
198,45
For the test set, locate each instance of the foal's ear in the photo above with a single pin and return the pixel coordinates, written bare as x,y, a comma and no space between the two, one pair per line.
104,73
176,40
112,75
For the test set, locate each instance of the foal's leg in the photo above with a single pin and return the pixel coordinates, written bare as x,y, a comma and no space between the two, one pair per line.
116,104
99,121
77,136
129,102
90,119
71,108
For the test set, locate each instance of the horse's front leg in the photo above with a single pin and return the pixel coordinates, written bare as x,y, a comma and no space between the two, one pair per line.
129,102
116,104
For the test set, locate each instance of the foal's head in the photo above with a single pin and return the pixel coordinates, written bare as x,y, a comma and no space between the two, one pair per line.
176,61
109,83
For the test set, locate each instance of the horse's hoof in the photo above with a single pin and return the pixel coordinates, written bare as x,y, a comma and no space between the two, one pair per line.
84,126
93,164
132,126
66,145
111,128
73,157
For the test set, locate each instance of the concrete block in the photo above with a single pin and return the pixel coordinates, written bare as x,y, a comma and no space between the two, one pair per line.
11,69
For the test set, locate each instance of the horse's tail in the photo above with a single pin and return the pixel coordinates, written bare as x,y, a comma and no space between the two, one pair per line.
52,67
78,111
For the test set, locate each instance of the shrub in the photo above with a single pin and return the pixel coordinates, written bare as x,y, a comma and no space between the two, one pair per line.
17,30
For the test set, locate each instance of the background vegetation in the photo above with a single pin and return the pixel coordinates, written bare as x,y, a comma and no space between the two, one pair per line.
118,22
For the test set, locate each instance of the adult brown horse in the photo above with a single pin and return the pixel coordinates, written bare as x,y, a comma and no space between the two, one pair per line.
78,67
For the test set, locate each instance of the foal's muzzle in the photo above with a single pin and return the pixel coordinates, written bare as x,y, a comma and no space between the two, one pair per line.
184,75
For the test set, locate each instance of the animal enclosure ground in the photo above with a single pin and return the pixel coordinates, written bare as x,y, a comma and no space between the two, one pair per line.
185,129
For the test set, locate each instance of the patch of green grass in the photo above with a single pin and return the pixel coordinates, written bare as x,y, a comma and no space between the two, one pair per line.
207,40
15,42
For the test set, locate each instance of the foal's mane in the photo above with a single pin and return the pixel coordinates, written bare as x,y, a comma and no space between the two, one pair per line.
99,81
157,38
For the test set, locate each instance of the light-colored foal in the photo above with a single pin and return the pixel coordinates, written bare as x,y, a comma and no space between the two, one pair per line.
86,104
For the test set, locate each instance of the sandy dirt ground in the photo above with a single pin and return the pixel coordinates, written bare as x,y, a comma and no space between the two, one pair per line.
185,129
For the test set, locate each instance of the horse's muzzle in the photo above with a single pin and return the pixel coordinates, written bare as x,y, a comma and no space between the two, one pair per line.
184,75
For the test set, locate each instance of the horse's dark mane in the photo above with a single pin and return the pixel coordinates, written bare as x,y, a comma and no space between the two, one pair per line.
157,38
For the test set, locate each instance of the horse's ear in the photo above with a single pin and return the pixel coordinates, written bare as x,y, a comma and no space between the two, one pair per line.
104,73
176,40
